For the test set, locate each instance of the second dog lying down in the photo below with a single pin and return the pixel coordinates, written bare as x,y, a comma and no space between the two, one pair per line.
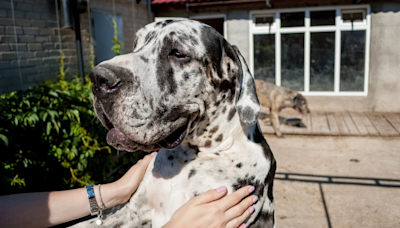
277,98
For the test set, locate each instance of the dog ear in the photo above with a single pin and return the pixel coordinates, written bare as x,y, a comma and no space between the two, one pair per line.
247,104
297,100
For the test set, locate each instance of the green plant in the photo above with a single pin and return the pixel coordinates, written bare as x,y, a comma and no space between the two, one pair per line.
50,139
63,72
92,57
118,45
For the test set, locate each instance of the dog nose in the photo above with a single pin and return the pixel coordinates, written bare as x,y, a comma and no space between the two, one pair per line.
104,80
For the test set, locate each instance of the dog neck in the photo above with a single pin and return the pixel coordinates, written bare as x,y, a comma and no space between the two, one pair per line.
232,132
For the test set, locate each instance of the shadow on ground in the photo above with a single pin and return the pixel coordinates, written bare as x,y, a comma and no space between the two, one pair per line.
343,180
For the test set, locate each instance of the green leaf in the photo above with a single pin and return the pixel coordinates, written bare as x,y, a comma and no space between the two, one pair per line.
54,94
80,167
45,116
4,138
48,128
27,103
84,162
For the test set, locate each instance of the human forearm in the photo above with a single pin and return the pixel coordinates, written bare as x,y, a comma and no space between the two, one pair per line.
42,209
46,209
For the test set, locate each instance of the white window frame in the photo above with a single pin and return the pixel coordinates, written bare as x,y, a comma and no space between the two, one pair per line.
339,26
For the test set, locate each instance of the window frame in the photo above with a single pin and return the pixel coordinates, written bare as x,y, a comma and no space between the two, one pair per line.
339,26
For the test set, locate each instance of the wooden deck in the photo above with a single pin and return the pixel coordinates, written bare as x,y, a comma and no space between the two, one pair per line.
343,124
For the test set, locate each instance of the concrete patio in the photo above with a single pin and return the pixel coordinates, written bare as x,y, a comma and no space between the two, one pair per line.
335,182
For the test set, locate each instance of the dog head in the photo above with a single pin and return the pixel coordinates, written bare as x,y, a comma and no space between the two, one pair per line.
180,76
300,104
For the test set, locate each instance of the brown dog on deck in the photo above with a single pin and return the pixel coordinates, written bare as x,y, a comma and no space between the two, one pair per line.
277,98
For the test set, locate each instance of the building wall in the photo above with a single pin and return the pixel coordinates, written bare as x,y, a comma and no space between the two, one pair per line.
38,41
384,70
385,57
238,31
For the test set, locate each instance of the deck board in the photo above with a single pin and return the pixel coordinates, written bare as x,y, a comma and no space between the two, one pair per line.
316,126
350,124
381,124
323,123
370,127
358,121
266,128
333,126
341,124
285,129
304,131
394,119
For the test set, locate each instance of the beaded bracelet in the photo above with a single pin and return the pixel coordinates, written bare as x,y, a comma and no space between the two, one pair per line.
100,214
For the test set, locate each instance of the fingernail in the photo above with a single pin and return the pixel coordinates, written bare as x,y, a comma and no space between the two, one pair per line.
255,198
244,226
251,189
154,153
221,189
251,209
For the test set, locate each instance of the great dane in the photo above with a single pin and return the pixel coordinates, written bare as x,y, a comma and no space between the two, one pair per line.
188,93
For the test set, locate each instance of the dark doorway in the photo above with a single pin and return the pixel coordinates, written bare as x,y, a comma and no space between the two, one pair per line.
103,34
216,23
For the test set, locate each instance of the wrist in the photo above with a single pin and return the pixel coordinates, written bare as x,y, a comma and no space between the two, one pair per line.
110,195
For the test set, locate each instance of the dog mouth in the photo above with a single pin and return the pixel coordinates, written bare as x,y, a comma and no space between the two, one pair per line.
120,141
175,139
300,110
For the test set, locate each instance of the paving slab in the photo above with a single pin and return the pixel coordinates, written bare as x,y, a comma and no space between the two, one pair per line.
358,206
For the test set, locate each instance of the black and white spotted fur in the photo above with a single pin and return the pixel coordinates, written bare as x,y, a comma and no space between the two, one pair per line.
207,89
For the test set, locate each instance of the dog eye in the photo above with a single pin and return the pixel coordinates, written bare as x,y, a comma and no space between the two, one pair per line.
177,54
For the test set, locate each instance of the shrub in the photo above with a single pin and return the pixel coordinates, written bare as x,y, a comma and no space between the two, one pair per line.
50,139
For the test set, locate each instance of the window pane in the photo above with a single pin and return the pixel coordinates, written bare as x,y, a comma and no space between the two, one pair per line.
292,19
322,61
264,57
264,20
322,18
352,61
292,61
352,17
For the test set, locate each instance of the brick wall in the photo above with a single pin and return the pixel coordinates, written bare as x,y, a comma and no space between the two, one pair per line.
38,41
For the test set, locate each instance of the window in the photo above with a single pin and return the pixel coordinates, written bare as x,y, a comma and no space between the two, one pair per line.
317,51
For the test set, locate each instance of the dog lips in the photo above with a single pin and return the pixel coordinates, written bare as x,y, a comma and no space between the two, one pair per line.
115,137
119,141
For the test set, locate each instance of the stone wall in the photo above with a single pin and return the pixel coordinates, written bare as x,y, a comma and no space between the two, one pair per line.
36,33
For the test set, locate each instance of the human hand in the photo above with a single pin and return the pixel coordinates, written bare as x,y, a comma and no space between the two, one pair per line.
208,210
121,190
